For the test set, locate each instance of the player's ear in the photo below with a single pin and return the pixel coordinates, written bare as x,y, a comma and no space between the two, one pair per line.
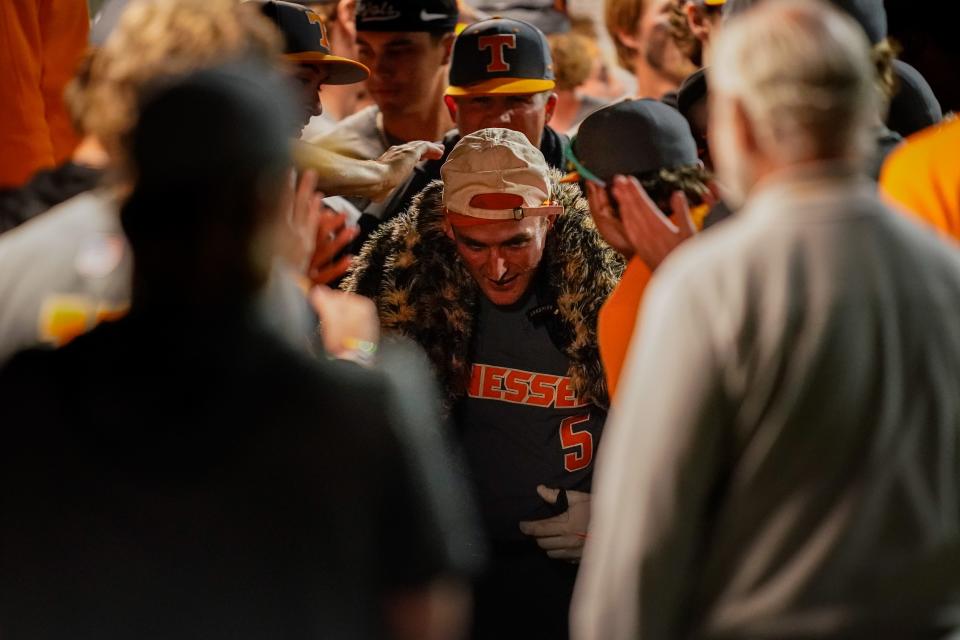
550,106
447,43
451,107
627,39
448,229
696,20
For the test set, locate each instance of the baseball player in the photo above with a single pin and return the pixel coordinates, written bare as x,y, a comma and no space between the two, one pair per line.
406,45
307,47
498,273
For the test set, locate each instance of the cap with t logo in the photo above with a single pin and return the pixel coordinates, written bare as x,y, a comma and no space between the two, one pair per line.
431,16
500,55
305,42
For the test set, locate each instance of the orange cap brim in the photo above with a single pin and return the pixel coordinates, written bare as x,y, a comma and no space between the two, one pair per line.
340,70
508,86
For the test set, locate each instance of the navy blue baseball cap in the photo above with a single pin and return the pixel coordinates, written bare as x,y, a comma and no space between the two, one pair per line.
630,137
305,42
500,56
431,16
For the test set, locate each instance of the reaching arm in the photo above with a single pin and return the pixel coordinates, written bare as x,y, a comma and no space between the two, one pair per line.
343,175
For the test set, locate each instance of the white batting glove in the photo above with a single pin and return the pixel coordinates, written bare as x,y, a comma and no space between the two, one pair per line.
561,536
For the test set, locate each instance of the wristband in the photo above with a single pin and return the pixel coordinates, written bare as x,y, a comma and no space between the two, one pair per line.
360,351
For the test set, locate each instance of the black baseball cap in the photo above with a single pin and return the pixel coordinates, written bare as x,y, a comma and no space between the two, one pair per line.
914,107
692,90
500,56
305,42
431,16
630,137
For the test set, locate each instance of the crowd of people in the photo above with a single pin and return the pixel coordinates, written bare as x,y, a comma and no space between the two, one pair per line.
421,319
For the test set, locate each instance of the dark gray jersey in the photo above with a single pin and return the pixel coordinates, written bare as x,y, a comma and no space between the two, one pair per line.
521,422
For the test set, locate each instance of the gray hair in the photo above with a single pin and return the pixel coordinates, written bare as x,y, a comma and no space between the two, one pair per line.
803,73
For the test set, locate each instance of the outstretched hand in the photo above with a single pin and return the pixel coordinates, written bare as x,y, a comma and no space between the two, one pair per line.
651,234
344,175
399,161
316,234
608,223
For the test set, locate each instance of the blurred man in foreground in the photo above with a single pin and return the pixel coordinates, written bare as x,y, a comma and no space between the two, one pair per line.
789,468
183,472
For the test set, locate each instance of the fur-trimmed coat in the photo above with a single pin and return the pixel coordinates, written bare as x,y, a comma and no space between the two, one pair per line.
422,288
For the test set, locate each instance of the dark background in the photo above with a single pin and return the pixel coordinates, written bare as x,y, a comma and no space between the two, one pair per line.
929,39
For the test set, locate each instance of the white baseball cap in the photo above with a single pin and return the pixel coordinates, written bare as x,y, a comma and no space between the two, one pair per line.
495,175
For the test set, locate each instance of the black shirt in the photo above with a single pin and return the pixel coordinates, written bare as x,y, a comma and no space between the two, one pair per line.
521,423
166,478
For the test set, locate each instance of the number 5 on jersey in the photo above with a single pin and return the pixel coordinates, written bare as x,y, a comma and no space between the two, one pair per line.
580,441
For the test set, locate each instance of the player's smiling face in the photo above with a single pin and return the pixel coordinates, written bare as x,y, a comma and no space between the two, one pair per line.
503,256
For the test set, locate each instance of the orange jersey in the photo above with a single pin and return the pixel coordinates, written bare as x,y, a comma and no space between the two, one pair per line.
618,318
923,177
43,41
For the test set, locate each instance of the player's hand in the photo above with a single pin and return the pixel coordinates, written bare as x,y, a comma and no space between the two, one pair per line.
316,234
298,238
400,160
608,223
333,235
561,536
349,323
651,234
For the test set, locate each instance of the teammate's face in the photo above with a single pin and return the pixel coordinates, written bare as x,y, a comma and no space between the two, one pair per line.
527,114
503,256
310,78
404,68
656,44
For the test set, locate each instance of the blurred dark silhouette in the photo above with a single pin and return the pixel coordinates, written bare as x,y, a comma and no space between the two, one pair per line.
184,472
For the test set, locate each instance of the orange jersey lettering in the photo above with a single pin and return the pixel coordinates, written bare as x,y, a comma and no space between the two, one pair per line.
522,387
517,386
490,383
581,441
